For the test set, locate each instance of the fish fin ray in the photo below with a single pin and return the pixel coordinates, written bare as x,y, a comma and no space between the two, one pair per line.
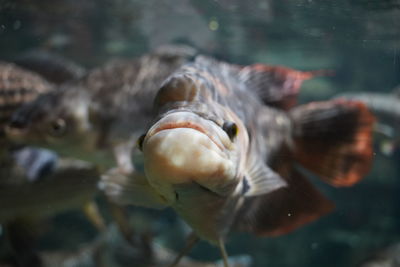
285,209
333,139
260,179
277,86
133,188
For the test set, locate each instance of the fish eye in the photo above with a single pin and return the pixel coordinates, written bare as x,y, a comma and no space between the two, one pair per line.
139,142
58,127
231,129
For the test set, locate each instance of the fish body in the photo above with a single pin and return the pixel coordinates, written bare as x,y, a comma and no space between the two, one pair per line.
224,160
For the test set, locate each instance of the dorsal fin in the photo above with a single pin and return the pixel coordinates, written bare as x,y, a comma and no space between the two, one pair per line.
53,67
283,210
277,86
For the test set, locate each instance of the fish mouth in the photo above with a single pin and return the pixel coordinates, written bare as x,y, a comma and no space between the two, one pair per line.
187,125
188,120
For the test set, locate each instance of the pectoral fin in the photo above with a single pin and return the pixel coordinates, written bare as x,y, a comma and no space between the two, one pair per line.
260,179
133,188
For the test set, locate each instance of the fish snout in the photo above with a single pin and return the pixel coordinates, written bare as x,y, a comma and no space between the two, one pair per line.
182,156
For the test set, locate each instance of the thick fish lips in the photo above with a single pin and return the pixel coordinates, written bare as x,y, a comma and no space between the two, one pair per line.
182,148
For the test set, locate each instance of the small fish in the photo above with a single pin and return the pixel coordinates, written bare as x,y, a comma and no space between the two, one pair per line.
225,160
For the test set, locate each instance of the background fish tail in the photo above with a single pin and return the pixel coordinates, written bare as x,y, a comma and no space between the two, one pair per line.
333,139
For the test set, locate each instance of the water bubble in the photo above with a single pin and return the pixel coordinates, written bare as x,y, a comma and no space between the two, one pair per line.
314,245
17,25
213,24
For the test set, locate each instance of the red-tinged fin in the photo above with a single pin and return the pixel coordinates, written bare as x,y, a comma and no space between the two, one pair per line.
276,85
285,209
333,139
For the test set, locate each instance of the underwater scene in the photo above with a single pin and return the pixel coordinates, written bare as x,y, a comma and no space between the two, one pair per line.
200,133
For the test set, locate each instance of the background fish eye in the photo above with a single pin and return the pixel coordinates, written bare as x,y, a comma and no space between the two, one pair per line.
57,127
231,129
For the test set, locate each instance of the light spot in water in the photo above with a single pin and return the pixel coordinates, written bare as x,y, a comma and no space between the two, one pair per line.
17,25
314,245
213,24
289,214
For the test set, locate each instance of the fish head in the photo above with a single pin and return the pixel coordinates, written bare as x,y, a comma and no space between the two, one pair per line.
57,120
195,143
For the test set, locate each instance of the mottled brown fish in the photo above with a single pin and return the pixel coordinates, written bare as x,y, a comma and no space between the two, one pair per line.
90,118
224,160
34,184
18,86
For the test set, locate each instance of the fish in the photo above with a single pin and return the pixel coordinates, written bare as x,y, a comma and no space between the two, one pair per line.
17,87
87,118
227,160
31,178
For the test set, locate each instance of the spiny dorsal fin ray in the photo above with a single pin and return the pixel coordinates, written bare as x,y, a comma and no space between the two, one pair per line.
333,139
277,86
285,209
260,179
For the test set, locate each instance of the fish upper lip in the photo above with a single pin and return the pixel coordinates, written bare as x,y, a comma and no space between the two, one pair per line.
187,125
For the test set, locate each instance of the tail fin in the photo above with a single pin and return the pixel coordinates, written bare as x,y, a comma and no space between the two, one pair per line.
333,139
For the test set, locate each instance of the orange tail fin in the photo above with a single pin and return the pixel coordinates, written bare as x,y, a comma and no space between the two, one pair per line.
333,139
